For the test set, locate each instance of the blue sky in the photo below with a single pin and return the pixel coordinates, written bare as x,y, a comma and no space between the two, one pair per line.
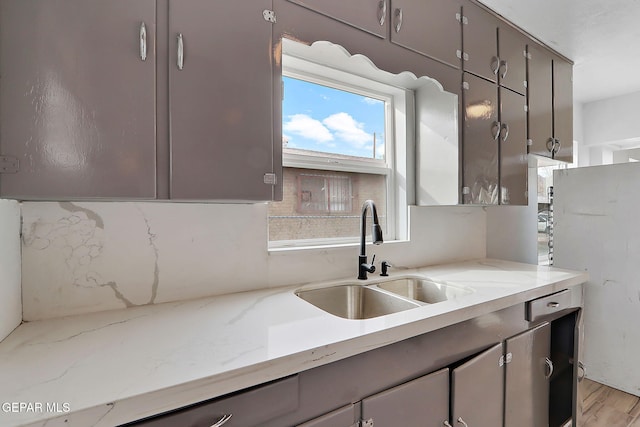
320,118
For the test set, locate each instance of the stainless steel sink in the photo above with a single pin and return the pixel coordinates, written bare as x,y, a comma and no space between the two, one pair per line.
355,301
423,290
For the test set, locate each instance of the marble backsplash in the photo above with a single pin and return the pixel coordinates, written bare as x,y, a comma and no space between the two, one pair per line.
10,300
94,256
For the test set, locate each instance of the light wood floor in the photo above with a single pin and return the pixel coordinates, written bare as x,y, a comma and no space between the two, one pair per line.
607,407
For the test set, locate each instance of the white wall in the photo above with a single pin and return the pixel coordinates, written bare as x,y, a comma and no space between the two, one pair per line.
605,127
612,120
10,298
512,232
85,257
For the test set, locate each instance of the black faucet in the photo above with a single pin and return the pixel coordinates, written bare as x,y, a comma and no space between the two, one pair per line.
376,236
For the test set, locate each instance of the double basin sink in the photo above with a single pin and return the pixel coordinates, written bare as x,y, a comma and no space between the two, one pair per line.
365,301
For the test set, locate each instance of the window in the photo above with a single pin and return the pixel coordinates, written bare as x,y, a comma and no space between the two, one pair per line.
339,149
324,193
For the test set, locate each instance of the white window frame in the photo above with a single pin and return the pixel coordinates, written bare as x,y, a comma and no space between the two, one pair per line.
399,141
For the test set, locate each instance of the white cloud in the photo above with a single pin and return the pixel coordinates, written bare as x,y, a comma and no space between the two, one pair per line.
346,128
371,101
307,127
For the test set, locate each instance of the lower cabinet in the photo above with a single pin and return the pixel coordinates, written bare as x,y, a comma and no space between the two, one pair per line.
252,407
464,375
527,378
477,389
347,416
420,402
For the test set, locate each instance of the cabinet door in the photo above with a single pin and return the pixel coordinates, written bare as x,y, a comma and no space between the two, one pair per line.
77,102
512,46
343,417
421,402
430,28
480,37
477,389
513,149
251,408
539,95
480,141
368,15
527,382
563,109
220,96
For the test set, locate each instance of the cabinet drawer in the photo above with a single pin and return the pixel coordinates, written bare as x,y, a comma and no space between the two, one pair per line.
545,306
249,408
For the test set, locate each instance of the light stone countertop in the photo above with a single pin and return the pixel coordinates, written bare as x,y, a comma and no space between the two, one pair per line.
107,368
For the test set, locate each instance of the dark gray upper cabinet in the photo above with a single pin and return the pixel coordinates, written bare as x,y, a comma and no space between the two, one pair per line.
512,46
563,109
431,28
527,378
371,16
480,38
220,99
513,148
481,132
78,98
550,104
477,390
492,49
421,402
494,144
79,111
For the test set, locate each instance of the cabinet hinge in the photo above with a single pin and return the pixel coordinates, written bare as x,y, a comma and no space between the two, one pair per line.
529,142
366,423
269,16
527,55
465,85
526,109
461,18
505,358
270,178
9,164
462,55
466,190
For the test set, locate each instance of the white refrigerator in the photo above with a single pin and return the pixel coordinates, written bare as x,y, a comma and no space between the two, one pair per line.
597,229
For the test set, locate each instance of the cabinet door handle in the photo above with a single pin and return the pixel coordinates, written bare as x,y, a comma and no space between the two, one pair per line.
583,369
551,145
495,130
222,421
495,65
446,424
461,421
549,364
180,52
503,136
556,145
504,66
398,15
143,41
382,11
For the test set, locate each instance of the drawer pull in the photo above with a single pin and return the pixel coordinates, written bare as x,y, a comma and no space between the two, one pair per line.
222,421
446,424
461,421
553,304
